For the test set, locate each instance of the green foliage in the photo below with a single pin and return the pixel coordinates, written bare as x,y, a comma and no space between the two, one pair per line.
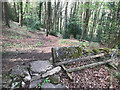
12,15
32,21
73,28
45,81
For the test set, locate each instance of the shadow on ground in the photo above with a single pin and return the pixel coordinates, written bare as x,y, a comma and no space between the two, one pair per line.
26,55
9,59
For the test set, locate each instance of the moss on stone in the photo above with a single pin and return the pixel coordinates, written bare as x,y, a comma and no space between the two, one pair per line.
96,51
106,50
75,55
78,52
69,49
89,51
54,79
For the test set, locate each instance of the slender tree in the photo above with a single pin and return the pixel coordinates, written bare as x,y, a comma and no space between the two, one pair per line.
55,14
86,20
45,15
40,8
6,13
48,18
21,13
66,8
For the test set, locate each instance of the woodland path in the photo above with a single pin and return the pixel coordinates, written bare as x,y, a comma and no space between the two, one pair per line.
31,46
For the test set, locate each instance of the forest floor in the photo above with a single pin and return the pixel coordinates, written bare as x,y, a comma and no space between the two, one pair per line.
21,45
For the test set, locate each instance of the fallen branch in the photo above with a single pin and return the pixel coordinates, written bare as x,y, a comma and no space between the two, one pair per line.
79,59
89,65
70,77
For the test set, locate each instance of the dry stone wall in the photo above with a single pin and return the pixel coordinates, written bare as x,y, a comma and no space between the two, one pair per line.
66,53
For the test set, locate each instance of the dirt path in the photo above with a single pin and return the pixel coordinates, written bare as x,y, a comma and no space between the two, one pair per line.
20,45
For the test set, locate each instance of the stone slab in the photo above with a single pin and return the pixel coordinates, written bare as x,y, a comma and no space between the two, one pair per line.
40,66
51,72
47,85
34,84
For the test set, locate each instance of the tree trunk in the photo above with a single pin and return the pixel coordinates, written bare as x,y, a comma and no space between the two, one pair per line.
45,15
94,22
6,13
86,20
28,8
49,18
40,8
61,22
15,8
55,14
3,14
20,14
66,15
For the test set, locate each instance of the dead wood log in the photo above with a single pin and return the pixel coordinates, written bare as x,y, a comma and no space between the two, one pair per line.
79,59
89,65
70,77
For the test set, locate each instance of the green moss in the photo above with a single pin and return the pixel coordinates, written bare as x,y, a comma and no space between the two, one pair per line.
54,79
69,49
75,55
78,52
89,51
96,51
106,50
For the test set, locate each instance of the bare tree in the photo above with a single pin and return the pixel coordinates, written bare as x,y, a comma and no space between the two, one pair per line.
6,13
40,8
66,15
48,18
86,20
55,13
20,14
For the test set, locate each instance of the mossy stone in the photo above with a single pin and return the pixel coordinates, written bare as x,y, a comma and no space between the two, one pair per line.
69,49
106,50
96,51
54,79
89,51
78,52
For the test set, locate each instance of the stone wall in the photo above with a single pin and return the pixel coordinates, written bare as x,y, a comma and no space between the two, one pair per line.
66,53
